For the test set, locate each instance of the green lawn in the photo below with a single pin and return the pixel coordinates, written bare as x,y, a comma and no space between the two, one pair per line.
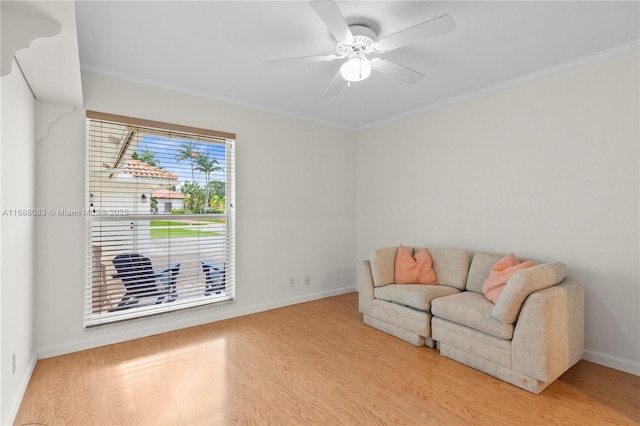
168,223
181,223
180,232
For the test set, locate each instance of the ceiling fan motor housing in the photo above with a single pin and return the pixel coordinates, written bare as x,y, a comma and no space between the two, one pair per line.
364,40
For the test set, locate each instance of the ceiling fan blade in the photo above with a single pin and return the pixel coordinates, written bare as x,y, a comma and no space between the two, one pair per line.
330,14
428,29
299,60
335,86
398,71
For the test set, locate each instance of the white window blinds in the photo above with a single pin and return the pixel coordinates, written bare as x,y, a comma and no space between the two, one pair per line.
160,218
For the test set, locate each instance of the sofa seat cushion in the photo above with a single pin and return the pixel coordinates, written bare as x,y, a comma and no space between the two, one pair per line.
471,341
408,319
472,310
415,296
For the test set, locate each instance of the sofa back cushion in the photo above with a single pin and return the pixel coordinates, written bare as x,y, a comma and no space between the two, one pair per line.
480,269
451,266
383,265
522,284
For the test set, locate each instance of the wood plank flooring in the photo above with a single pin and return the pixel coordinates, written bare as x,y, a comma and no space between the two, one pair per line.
314,363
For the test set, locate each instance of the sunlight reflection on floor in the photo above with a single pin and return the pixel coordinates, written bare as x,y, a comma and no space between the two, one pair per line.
168,384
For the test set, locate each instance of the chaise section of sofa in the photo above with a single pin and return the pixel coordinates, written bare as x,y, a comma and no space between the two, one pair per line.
531,336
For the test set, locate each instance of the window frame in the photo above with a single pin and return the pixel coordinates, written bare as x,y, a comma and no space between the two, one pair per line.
95,317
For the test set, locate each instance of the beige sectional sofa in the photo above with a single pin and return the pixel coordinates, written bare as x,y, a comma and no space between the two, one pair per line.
533,334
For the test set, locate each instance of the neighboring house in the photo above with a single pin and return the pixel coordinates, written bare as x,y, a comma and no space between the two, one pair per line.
146,180
168,200
131,186
141,170
130,190
142,180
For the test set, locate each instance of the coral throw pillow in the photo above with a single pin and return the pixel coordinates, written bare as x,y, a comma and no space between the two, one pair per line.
416,269
500,274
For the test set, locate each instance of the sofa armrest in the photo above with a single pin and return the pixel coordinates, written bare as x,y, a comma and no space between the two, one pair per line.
549,335
365,289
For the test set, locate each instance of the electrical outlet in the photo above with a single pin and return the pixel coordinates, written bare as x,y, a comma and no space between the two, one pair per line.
13,363
307,280
291,282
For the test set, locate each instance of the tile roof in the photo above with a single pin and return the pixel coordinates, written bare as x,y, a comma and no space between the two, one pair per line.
143,170
167,193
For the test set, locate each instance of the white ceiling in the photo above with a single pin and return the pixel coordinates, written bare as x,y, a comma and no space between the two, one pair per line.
215,49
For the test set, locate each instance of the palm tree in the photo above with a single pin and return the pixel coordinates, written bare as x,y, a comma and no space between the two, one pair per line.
192,191
188,150
207,165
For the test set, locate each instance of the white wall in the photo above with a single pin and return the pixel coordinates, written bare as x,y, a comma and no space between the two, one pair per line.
16,276
546,169
295,212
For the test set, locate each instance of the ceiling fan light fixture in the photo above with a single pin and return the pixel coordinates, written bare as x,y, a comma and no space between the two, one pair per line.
356,69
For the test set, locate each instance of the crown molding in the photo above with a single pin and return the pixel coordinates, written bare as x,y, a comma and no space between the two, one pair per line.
556,69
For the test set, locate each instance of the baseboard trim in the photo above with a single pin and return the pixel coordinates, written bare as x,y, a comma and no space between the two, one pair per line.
204,317
15,406
611,361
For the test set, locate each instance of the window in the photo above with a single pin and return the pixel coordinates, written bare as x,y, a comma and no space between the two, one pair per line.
160,218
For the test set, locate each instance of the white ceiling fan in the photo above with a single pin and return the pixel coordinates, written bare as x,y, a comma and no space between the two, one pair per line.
356,42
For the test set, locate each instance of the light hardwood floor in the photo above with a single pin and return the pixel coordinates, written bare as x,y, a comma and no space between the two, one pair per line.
312,363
